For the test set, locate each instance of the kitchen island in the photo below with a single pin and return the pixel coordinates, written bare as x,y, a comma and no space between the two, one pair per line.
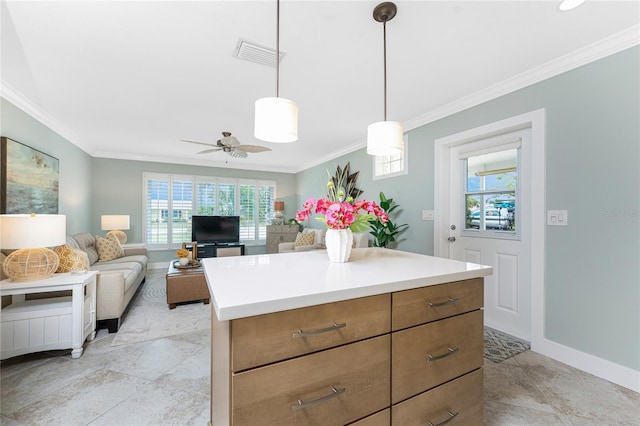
388,338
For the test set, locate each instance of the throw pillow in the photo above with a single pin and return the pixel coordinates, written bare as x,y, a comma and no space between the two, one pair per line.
108,248
71,259
304,239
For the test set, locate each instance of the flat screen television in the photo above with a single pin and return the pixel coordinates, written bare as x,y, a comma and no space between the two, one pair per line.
215,229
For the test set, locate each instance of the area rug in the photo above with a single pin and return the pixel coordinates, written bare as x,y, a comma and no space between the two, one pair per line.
150,318
499,346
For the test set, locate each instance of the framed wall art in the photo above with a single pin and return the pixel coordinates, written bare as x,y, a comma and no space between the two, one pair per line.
28,179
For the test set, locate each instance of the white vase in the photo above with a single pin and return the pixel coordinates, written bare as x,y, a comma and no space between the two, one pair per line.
339,243
183,261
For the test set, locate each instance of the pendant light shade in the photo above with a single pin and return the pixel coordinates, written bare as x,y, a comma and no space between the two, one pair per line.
385,137
276,120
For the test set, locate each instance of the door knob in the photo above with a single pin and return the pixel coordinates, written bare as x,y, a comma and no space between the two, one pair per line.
451,239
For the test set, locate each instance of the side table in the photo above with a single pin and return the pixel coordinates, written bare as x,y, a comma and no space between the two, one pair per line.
52,323
186,285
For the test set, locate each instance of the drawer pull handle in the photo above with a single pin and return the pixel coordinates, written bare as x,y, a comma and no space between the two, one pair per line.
450,351
451,417
449,301
332,327
334,393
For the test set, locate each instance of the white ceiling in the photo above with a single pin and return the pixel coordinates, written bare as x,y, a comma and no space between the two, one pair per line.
124,79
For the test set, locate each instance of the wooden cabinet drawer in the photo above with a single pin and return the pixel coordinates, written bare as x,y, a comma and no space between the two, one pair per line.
383,418
461,397
423,357
266,395
268,338
426,304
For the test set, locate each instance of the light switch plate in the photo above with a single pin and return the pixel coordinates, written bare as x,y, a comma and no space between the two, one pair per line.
428,215
557,217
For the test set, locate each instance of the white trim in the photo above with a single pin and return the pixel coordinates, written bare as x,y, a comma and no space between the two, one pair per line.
405,162
593,52
13,96
599,367
615,373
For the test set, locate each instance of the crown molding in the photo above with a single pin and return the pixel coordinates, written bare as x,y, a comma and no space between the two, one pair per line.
593,52
598,50
17,99
195,162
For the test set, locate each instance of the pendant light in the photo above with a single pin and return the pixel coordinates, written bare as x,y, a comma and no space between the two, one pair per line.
276,119
385,137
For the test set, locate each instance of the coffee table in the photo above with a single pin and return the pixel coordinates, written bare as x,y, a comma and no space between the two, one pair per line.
186,285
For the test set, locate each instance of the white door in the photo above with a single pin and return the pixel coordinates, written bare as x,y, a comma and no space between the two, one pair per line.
490,223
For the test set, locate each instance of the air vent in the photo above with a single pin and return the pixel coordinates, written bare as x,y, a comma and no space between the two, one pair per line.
256,53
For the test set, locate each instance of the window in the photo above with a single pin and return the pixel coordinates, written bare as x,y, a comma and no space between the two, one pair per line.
171,200
385,166
491,192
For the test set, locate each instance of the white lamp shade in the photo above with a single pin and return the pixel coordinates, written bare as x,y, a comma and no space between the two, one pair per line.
20,231
385,138
276,120
114,222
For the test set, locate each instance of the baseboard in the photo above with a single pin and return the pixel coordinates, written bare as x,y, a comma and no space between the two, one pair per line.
607,370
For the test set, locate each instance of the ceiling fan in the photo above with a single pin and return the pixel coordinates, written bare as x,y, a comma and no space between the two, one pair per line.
231,146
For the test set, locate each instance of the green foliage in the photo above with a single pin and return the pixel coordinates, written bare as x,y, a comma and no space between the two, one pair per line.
383,234
342,186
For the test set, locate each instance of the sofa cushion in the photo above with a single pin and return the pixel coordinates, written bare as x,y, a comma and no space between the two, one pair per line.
85,242
71,259
360,239
138,258
318,235
108,248
304,239
129,275
117,266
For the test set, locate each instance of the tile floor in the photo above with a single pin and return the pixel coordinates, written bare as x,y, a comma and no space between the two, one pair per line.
166,382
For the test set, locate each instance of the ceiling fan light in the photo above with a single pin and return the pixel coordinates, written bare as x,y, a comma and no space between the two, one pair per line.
276,120
385,138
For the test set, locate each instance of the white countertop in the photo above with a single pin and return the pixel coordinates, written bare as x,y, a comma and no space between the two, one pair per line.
243,286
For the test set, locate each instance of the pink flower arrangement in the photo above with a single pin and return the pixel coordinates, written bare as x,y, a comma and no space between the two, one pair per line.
343,214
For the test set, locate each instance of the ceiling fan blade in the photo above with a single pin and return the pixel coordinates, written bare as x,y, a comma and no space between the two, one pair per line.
237,154
206,151
199,143
252,148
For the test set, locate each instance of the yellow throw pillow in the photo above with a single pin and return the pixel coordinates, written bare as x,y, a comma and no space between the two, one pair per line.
108,248
304,239
71,259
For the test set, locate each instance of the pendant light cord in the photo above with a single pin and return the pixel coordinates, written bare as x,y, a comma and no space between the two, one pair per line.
278,49
384,38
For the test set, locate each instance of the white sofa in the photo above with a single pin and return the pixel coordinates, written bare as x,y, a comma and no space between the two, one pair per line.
117,280
361,239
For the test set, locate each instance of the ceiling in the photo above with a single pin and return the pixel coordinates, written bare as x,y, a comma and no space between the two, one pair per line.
128,80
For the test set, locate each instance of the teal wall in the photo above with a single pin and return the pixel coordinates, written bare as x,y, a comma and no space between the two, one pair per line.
117,189
75,165
592,277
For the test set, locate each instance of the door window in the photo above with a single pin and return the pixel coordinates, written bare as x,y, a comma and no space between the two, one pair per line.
491,193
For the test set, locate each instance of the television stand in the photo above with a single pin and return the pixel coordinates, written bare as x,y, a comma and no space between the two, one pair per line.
220,249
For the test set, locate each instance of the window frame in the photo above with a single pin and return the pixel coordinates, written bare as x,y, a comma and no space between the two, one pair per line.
259,226
378,162
492,233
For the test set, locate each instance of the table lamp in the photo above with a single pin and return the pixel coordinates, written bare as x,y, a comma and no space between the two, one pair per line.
278,206
31,235
115,224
